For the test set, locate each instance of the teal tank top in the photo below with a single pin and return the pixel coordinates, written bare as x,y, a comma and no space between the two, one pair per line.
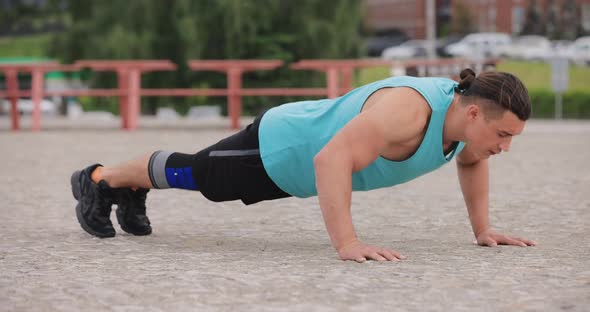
292,134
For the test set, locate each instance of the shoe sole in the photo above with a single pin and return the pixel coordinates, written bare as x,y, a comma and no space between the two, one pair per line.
77,194
124,227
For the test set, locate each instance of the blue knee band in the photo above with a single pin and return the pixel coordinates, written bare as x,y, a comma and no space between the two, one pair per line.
164,173
181,178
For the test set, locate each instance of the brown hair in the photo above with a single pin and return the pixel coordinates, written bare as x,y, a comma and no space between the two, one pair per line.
503,90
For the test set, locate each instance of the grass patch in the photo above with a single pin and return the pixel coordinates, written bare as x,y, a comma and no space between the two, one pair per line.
538,75
26,46
368,75
533,75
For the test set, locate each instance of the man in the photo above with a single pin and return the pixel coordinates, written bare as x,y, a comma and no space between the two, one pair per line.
378,135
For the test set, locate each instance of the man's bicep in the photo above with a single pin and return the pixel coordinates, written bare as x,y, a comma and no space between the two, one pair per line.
388,122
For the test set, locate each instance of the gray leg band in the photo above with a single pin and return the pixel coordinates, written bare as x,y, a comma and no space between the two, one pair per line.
157,169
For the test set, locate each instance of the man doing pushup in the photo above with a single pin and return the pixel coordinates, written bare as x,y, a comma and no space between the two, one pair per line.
378,135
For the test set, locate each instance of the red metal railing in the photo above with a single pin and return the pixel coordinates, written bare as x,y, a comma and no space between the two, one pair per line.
339,80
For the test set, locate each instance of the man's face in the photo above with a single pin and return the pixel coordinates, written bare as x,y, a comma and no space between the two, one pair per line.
493,135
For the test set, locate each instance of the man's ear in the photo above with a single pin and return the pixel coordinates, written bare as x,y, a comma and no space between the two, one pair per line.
473,112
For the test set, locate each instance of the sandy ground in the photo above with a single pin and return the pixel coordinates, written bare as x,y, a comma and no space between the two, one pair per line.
276,256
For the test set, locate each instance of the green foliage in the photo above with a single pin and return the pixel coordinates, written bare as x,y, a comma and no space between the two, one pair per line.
180,30
90,104
29,17
576,104
25,46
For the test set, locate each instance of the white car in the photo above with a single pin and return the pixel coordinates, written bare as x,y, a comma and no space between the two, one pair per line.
529,48
25,106
579,51
408,49
561,48
480,45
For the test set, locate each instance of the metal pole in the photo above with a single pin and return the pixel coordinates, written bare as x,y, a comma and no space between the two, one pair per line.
558,105
123,84
37,96
234,87
332,82
347,73
431,28
134,99
12,88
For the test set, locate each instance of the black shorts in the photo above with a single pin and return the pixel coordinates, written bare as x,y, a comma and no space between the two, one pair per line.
231,169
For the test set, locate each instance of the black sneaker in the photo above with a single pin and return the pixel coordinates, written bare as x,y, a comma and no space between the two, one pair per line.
94,203
131,211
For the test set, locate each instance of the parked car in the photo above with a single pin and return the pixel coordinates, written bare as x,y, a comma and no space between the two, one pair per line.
480,45
529,48
25,107
561,47
443,43
408,49
579,51
384,40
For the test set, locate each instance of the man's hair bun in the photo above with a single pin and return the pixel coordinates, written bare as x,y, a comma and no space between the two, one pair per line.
467,77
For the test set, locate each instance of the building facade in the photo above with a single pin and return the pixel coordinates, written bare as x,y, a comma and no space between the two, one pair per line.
408,16
508,16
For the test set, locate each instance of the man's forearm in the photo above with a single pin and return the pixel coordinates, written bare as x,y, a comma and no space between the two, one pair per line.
474,180
334,186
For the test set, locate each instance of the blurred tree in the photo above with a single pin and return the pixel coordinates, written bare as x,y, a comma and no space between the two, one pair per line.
462,19
562,21
553,22
571,23
21,17
180,30
533,22
16,17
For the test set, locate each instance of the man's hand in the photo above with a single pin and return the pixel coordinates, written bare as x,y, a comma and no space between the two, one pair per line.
490,238
360,252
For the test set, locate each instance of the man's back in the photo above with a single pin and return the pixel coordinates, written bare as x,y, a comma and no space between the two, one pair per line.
292,134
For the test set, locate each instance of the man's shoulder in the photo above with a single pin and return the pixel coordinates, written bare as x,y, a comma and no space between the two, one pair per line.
403,110
409,103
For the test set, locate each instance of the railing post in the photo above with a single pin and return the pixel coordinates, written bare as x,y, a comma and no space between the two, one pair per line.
347,73
12,91
37,96
123,83
332,82
234,85
134,105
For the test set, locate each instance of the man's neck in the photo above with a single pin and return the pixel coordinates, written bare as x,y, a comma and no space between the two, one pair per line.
453,127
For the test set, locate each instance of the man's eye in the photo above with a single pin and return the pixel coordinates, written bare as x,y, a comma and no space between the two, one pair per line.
501,135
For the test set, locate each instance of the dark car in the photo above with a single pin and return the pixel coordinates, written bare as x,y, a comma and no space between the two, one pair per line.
442,43
383,40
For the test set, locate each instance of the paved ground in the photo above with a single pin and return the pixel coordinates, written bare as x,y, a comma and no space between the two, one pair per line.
276,255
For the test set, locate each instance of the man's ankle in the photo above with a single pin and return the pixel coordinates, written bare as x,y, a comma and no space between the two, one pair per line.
96,175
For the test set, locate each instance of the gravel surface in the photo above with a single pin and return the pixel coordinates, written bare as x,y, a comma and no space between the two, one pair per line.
276,256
